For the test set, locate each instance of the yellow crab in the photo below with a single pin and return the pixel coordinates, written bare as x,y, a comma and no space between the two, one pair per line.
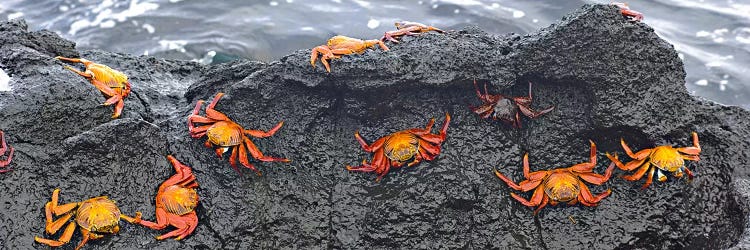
95,216
661,158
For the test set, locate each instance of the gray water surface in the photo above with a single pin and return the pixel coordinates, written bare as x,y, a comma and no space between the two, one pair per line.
712,36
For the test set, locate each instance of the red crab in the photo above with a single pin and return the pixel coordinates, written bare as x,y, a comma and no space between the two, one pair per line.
396,149
632,15
226,134
4,147
560,185
406,28
505,108
175,203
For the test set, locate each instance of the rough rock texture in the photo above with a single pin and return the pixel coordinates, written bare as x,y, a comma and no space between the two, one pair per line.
608,78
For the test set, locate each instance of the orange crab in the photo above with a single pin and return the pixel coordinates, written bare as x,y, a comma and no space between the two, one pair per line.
342,45
632,15
4,147
661,158
562,185
226,134
406,28
113,84
398,148
175,203
95,216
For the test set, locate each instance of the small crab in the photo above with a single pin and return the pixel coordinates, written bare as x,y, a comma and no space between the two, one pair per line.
95,216
4,147
175,203
406,28
113,84
562,185
506,108
394,150
226,134
342,45
661,158
632,15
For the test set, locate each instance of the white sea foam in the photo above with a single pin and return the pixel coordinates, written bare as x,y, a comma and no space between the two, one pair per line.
178,45
373,24
15,15
4,81
149,28
107,18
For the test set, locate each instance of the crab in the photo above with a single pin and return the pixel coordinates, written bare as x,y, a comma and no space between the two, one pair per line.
113,84
3,148
632,15
506,109
226,134
395,150
175,203
658,159
406,28
342,45
561,185
95,217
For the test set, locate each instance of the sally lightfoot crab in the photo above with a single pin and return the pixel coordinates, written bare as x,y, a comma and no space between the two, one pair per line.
95,217
113,84
175,203
562,185
406,28
395,150
658,159
632,15
342,45
3,148
505,108
226,134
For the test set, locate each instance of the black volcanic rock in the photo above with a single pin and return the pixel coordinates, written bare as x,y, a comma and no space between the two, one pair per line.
608,78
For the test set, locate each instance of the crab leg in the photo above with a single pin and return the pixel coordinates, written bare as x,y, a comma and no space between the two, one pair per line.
537,175
60,209
233,159
545,200
695,149
263,134
535,200
649,179
689,173
597,179
9,157
691,157
640,155
64,238
587,166
531,113
243,159
524,186
255,152
323,50
53,226
638,174
161,220
86,236
3,145
589,198
375,145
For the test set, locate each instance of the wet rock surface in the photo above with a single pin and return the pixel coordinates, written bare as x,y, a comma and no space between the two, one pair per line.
608,78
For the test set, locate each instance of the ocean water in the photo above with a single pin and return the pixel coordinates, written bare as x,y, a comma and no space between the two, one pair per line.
712,36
